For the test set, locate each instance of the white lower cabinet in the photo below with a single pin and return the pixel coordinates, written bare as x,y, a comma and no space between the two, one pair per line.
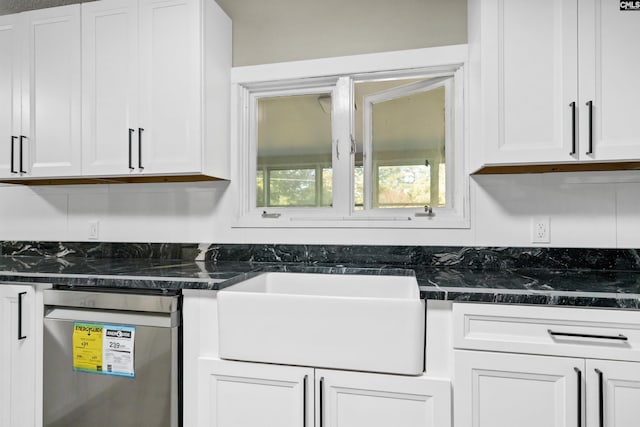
545,366
508,390
17,356
239,394
354,399
242,394
505,390
613,393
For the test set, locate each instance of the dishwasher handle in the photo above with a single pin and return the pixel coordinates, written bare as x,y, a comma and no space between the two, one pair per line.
112,317
91,300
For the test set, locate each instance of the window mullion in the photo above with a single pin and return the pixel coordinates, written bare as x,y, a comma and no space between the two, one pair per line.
367,157
342,158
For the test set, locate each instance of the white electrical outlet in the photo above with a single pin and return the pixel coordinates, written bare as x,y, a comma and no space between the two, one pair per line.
94,230
540,231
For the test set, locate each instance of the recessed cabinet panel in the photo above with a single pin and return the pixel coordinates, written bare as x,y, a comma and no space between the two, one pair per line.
9,94
17,356
609,72
110,89
51,92
247,395
507,390
529,69
533,93
170,86
352,399
617,386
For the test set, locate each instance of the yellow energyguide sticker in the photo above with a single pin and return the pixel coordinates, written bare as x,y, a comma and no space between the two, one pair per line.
87,347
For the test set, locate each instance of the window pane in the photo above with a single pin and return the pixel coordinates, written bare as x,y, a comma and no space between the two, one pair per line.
403,186
292,187
442,182
406,122
327,186
358,191
294,146
260,188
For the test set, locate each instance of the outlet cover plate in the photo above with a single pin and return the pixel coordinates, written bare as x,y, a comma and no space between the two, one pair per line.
540,229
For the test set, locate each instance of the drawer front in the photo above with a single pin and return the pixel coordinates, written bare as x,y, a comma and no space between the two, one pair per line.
573,332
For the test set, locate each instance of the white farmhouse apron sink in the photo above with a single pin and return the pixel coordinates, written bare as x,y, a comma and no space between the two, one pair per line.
355,322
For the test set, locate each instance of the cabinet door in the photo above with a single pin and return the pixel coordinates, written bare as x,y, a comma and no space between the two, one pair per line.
529,79
240,394
507,390
110,86
609,69
10,48
613,393
51,113
352,399
17,356
170,83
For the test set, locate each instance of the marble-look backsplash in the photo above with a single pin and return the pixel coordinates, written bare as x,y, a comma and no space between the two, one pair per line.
489,258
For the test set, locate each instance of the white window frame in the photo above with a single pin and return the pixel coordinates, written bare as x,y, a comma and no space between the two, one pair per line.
430,83
336,75
256,92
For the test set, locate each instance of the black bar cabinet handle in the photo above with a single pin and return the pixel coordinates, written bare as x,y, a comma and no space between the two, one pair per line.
304,401
20,336
590,105
140,130
13,141
573,128
579,374
131,131
600,397
618,337
321,401
22,138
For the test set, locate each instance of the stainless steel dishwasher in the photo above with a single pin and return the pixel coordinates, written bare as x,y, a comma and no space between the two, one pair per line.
112,358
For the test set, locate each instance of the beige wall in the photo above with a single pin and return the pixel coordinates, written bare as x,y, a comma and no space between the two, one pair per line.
267,31
284,30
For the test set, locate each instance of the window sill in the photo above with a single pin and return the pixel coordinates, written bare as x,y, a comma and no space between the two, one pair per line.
371,222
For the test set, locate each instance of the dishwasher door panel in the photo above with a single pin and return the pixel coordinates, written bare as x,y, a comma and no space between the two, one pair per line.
79,399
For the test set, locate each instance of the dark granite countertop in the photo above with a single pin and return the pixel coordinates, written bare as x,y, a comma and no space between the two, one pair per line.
121,272
597,288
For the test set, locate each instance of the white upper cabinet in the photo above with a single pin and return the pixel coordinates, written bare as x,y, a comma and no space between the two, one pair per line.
609,70
540,69
152,71
10,95
170,87
110,86
51,92
40,91
528,78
